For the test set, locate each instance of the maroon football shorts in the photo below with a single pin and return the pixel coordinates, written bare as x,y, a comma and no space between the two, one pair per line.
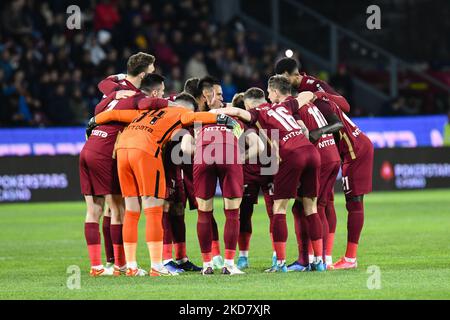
357,173
298,173
207,171
98,174
328,174
252,184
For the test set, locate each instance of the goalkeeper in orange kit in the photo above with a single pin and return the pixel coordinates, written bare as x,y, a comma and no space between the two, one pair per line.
141,170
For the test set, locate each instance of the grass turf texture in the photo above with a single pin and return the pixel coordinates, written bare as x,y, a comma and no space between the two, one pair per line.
406,235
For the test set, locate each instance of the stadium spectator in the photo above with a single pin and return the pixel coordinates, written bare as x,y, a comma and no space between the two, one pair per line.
106,15
228,87
400,107
342,83
186,41
196,66
16,20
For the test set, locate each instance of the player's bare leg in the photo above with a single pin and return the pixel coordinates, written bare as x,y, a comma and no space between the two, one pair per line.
94,211
231,234
280,233
153,209
130,235
116,206
314,231
204,232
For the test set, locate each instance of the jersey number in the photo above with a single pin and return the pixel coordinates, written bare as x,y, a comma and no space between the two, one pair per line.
318,116
348,120
154,119
112,104
283,117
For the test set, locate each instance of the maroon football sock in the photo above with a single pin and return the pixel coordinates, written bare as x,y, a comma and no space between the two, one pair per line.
204,232
331,216
280,235
215,238
178,235
355,220
92,233
297,225
117,240
245,226
109,249
231,232
167,236
301,233
93,241
315,233
215,229
269,208
178,228
325,228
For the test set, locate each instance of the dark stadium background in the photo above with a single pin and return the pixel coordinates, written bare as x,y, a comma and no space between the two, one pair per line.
397,78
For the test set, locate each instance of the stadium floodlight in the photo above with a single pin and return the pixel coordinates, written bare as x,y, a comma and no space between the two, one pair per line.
289,53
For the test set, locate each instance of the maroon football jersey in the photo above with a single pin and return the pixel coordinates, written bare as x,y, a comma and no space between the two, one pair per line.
312,84
278,118
103,137
314,120
350,141
112,83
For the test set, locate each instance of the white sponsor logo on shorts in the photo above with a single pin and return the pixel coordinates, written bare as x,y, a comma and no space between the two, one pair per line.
99,133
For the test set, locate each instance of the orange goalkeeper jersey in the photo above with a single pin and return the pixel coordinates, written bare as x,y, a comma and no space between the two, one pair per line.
149,130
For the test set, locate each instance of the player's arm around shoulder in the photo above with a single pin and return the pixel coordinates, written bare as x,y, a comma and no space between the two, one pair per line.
255,145
188,144
125,116
304,128
149,103
304,98
189,117
110,84
234,112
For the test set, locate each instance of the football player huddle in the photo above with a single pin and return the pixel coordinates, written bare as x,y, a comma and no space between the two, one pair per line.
153,154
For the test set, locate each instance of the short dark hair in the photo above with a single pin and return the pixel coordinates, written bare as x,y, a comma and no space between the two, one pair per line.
254,93
207,82
238,101
286,65
184,96
139,62
280,83
191,85
151,81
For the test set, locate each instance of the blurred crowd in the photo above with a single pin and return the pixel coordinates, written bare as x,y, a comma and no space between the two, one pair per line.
49,73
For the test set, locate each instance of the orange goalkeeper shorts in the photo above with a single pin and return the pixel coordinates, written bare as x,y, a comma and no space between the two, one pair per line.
140,174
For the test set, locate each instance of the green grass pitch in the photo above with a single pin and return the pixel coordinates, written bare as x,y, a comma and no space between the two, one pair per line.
406,234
